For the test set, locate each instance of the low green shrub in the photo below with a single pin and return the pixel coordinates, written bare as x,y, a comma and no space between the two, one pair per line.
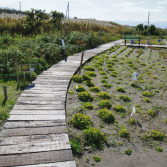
132,121
81,121
77,78
147,100
94,136
89,83
104,95
86,77
125,98
105,104
110,62
103,73
89,68
111,69
88,105
154,77
166,121
124,133
91,74
70,91
109,65
107,85
113,74
157,135
146,94
121,89
94,89
79,88
105,76
151,113
96,158
103,81
85,96
100,68
106,116
76,146
128,152
159,149
120,109
134,85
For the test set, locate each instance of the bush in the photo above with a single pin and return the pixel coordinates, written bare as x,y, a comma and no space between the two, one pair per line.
104,95
94,136
76,146
128,152
147,100
96,158
89,68
103,73
110,62
86,77
81,121
121,89
134,85
119,108
125,98
88,106
105,104
105,76
124,133
91,74
106,116
151,113
100,68
157,135
107,85
77,78
85,96
166,121
159,149
79,88
103,81
89,83
132,121
94,89
112,69
109,66
146,94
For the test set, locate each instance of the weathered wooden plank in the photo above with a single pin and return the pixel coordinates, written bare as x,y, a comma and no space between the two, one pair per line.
24,94
35,117
47,86
58,97
51,89
50,83
33,124
33,131
37,112
36,158
37,91
38,107
40,102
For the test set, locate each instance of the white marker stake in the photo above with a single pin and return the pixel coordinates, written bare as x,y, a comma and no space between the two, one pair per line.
62,41
134,110
135,76
104,64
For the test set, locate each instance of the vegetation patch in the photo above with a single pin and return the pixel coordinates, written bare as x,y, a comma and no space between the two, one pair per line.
147,94
121,89
104,95
128,152
85,96
125,98
94,89
107,85
106,116
86,77
152,113
105,104
132,121
124,133
120,109
96,158
77,78
157,135
79,88
91,74
88,106
89,68
89,83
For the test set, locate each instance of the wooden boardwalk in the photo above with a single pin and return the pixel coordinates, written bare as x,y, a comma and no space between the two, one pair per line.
35,133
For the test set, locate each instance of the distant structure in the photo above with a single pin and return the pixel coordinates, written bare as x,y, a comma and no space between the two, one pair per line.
20,5
67,11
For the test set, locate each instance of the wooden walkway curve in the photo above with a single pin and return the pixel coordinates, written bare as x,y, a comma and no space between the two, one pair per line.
35,133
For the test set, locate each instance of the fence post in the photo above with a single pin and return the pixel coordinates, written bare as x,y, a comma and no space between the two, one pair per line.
81,62
5,92
125,40
18,80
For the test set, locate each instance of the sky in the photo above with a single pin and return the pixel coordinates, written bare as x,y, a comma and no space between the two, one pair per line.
127,12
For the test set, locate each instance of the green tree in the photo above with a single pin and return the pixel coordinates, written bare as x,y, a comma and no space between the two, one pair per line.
140,28
56,18
152,30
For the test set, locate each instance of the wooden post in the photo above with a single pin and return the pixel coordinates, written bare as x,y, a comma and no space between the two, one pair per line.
5,92
125,41
139,41
18,80
81,62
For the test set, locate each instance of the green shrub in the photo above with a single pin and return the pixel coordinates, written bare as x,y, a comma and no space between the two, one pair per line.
100,68
128,152
155,77
77,78
96,158
105,76
157,135
70,91
103,81
114,56
132,121
134,85
88,105
111,69
105,104
106,116
94,136
121,89
103,73
151,113
147,100
94,89
89,68
91,74
79,88
86,77
107,85
81,121
76,146
89,83
85,96
103,95
120,109
125,98
166,121
109,65
137,105
110,62
113,74
159,149
124,133
146,94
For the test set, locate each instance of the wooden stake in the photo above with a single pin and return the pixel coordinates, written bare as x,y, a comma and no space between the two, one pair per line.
5,92
81,62
18,80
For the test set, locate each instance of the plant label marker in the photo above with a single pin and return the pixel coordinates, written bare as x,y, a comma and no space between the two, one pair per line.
134,110
5,92
81,62
104,63
135,76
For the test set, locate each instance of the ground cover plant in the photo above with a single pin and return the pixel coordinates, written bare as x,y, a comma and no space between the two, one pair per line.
132,115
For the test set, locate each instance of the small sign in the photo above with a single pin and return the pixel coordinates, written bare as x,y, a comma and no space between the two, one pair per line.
135,76
63,43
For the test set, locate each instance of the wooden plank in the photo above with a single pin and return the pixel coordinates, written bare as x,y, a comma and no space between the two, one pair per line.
37,91
40,102
37,112
47,86
33,131
38,107
36,158
42,98
35,117
51,89
43,94
33,124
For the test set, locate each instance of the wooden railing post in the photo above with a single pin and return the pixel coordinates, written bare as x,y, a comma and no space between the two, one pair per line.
18,80
81,62
5,92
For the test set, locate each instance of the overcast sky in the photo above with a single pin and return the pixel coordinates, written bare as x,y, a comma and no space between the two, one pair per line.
109,10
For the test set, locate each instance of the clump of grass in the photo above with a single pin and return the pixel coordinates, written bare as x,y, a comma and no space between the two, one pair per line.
132,121
70,91
94,89
103,81
120,109
104,95
106,116
134,85
146,94
85,96
105,76
107,85
166,121
110,62
125,98
111,69
100,68
154,77
137,105
105,104
109,65
89,68
147,100
87,159
128,152
157,135
79,88
103,73
76,146
121,89
96,158
159,149
89,83
86,77
124,133
91,74
77,78
152,113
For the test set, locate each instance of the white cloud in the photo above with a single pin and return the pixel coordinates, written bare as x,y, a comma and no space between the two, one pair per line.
162,2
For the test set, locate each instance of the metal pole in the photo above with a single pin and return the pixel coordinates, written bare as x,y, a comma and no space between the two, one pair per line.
20,5
68,9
